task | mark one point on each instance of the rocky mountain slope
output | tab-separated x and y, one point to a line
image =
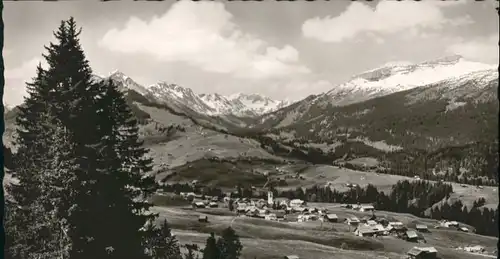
454	111
391	78
241	105
432	116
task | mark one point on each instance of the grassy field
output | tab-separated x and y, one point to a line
269	239
198	143
338	177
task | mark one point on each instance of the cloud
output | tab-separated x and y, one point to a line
387	17
483	49
25	71
203	34
16	78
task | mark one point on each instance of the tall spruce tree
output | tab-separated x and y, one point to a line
38	229
101	161
211	251
164	245
229	244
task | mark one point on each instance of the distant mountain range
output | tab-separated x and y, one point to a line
440	110
243	105
391	78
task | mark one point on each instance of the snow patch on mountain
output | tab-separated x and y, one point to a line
256	104
209	104
400	76
126	82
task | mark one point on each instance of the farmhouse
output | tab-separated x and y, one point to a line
396	227
296	202
422	253
474	249
270	216
291	257
371	223
282	201
213	205
463	229
353	221
396	224
299	209
410	236
448	224
332	217
198	204
421	228
364	231
366	208
203	218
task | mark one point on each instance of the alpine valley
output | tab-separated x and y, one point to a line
437	120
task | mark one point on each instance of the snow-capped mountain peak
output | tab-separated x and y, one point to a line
400	76
126	82
257	103
209	104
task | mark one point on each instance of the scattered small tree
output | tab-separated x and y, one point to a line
211	250
229	244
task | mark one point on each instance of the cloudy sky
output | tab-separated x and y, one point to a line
279	49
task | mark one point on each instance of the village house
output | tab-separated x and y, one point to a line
312	210
198	205
463	229
382	221
282	202
421	228
252	209
203	218
448	224
270	216
371	223
364	231
299	209
331	217
296	202
364	208
396	228
241	210
395	224
291	257
474	249
213	205
422	253
353	221
410	236
263	212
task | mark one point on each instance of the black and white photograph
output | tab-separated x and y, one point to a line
250	129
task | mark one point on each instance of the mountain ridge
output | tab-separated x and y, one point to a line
391	78
211	104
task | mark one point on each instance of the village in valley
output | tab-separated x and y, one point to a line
359	220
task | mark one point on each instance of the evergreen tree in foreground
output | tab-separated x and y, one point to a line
229	244
211	251
81	168
163	245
